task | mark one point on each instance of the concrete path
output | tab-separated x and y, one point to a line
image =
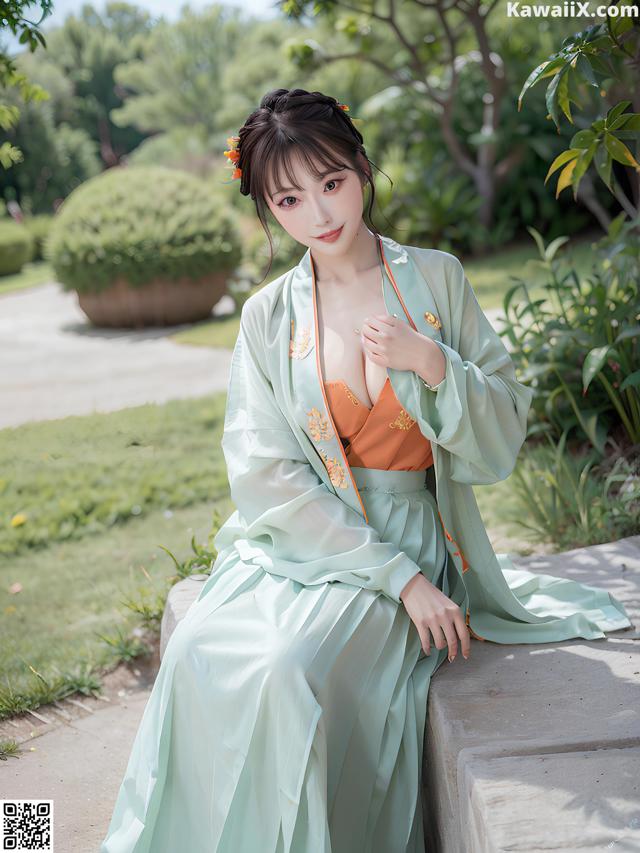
53	363
79	767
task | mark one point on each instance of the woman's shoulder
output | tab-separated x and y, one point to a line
435	260
257	307
442	271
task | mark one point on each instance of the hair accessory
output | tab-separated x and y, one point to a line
234	155
354	121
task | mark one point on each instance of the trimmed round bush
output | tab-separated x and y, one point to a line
141	224
17	246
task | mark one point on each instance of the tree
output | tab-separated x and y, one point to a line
10	78
605	57
88	48
429	65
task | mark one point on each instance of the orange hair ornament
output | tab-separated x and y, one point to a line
234	155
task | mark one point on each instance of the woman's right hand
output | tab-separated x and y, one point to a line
431	610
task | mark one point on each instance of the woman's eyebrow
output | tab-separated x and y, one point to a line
286	189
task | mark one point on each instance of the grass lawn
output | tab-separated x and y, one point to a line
491	277
72	591
38	272
99	494
66	479
217	332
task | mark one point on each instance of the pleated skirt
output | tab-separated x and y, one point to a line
288	718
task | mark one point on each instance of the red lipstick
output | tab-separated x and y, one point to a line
331	236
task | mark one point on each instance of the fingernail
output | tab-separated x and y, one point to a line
466	657
451	658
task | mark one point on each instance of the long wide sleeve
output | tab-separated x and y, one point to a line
478	412
288	520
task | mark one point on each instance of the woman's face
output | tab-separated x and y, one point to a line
334	201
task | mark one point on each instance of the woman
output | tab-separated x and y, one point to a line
367	393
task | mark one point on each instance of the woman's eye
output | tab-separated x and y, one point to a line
286	198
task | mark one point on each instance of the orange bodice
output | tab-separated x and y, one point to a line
382	436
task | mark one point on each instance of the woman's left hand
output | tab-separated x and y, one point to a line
391	342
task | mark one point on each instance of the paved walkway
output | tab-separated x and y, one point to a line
77	761
54	363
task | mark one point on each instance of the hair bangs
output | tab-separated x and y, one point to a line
277	163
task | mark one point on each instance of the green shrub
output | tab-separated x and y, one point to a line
141	224
578	347
39	227
17	246
578	498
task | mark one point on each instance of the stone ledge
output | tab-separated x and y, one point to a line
521	739
572	800
181	597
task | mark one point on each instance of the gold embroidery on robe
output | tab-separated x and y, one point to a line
335	470
319	426
300	347
351	395
402	421
432	320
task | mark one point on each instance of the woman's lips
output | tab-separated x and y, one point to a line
333	235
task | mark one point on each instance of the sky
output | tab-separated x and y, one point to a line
169	9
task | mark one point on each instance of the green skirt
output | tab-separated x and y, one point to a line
288	718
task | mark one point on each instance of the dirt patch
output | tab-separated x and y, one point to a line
117	686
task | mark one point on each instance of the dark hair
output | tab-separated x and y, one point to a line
289	120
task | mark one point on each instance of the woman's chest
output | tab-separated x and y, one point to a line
342	355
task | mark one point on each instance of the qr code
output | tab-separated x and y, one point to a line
26	825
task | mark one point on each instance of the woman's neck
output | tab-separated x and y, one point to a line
342	270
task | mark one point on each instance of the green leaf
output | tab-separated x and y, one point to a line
561	159
602	162
631	381
553	247
551	97
583	138
617	26
615	111
565	177
617	123
620	152
584	67
564	96
593	363
538	238
584	161
545	69
600	65
631	332
629	121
